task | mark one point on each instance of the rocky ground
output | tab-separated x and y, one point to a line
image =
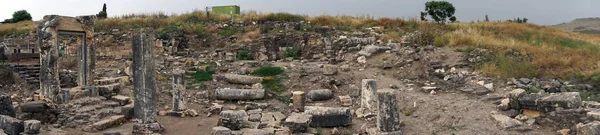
436	89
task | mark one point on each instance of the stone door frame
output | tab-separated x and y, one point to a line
48	31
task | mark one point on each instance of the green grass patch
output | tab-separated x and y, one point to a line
244	55
467	49
204	75
506	67
268	71
577	44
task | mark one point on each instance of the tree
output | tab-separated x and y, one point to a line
439	11
525	20
486	18
102	14
21	15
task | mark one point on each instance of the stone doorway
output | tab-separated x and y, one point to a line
51	31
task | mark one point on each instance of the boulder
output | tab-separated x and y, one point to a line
592	128
504	121
330	70
10	125
32	126
297	123
232	119
220	131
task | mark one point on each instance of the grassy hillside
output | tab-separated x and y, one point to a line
582	25
521	50
548	51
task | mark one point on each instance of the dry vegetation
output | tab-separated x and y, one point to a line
552	52
17	28
549	51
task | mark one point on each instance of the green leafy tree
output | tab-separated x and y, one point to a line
439	11
102	14
486	18
525	20
21	15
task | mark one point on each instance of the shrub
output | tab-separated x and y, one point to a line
244	55
204	75
441	41
268	71
286	17
291	53
230	31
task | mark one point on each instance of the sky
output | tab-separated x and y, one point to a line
544	12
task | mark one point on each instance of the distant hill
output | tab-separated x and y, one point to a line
582	25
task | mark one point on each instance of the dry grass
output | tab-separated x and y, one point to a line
17	28
553	52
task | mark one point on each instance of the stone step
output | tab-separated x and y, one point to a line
109	122
107	81
107	90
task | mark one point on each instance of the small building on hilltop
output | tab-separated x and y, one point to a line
229	9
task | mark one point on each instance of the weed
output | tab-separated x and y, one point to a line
291	52
268	71
230	31
504	66
244	55
319	131
285	99
273	85
407	112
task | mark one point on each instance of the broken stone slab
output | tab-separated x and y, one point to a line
10	125
297	122
591	104
122	100
594	114
242	79
329	116
6	106
239	94
109	122
329	69
373	49
514	96
219	130
321	94
232	119
549	102
592	128
34	107
32	126
504	121
108	90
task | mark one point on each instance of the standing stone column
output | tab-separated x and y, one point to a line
298	103
178	90
144	85
47	34
388	116
368	95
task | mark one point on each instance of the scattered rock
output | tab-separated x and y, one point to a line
592	128
298	123
504	121
329	70
504	105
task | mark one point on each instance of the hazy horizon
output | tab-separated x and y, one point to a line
545	12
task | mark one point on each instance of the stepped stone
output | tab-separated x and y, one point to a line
109	122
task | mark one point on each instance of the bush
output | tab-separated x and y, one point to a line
230	31
268	71
244	55
291	53
285	17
